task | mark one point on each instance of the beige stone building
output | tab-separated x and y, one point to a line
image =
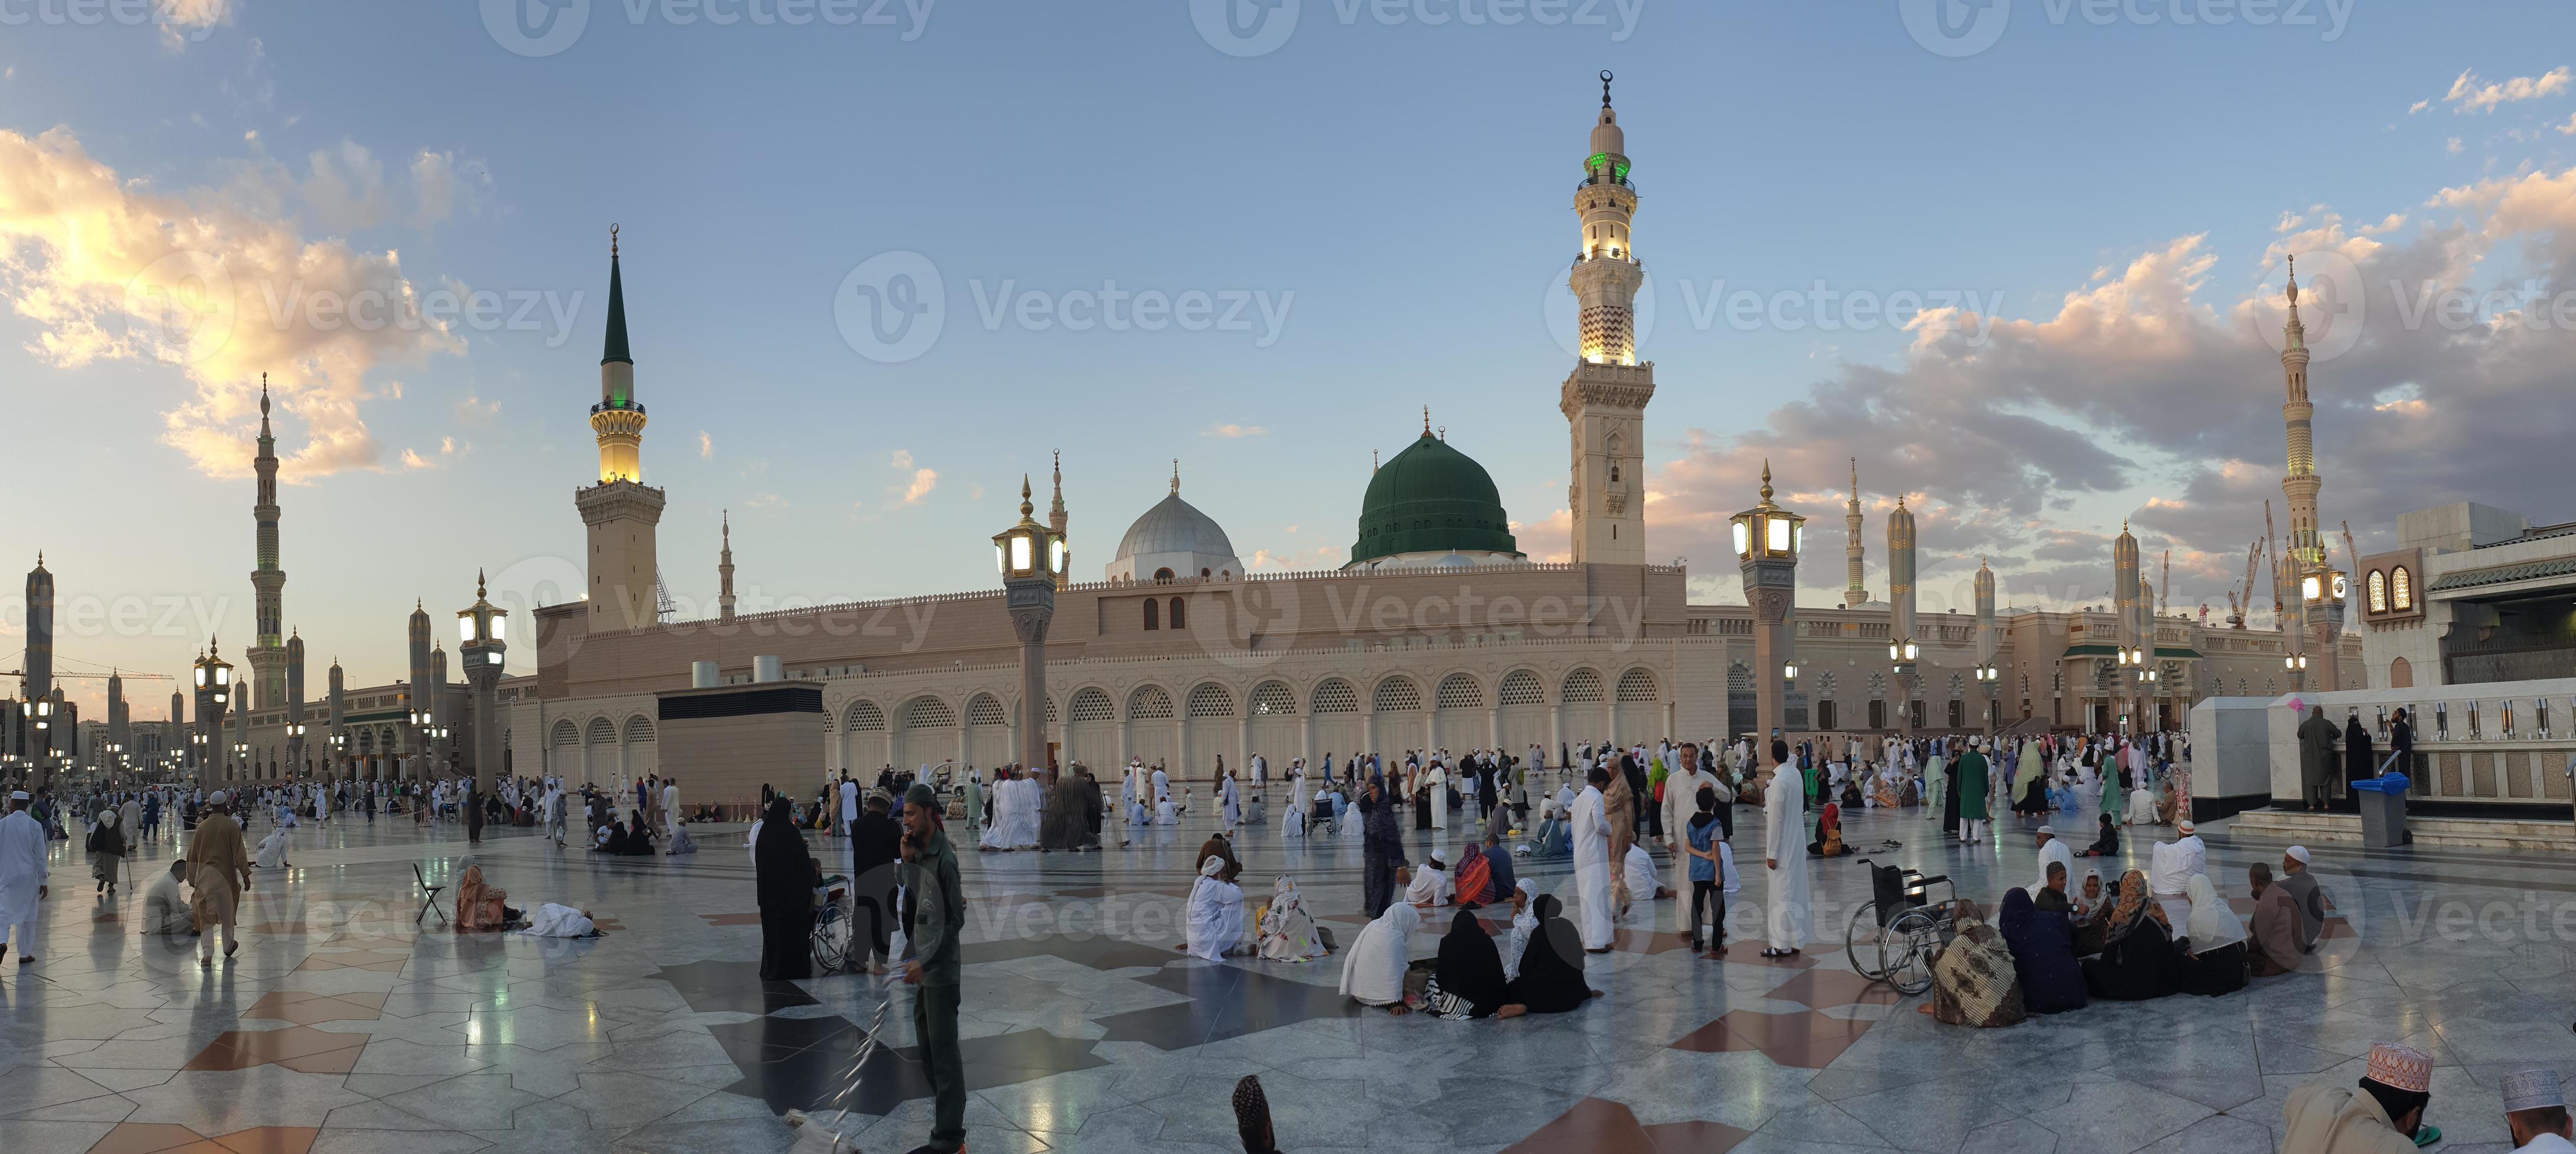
1438	634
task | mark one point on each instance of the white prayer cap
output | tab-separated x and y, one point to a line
2532	1090
19	795
2297	853
1213	866
2049	830
217	798
2186	827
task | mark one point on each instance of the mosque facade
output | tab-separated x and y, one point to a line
1440	632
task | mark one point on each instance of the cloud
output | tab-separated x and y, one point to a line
185	21
2452	146
923	481
2467	94
2153	391
108	269
706	446
474	410
1237	432
902	458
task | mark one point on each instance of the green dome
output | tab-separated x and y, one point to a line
1431	499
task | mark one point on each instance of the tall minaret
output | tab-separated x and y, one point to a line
416	633
296	747
2300	484
39	680
338	704
267	652
1988	644
1856	591
1900	573
1604	398
118	712
621	511
724	572
1056	521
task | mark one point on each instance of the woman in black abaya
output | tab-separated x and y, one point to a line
1551	980
785	878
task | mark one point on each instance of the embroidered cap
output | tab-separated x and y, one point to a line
2400	1067
2532	1090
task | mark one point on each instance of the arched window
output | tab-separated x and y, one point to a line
984	709
1637	686
639	729
1210	699
1397	694
1092	705
2378	591
1162	576
928	713
1520	687
1180	614
1335	695
2404	594
1582	687
1271	698
1149	703
1459	691
1153	614
865	717
602	732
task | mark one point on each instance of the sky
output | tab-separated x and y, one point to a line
2022	258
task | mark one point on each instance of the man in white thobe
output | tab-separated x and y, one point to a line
850	806
671	809
1592	864
22	877
1681	800
1792	914
2052	850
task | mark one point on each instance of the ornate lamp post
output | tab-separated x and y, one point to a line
1031	557
479	639
214	679
1767	540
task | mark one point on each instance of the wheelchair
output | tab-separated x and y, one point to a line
1894	936
831	935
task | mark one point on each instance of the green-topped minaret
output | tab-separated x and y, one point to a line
621	510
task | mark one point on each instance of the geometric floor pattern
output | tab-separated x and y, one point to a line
344	1025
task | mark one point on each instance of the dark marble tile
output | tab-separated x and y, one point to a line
1225	1002
716	987
1098	953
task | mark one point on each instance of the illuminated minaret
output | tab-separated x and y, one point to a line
1856	591
1900	572
1987	642
267	653
416	633
1604	398
724	572
339	702
1056	521
621	511
2300	483
296	745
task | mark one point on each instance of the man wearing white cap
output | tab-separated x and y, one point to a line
2380	1115
2304	894
2535	1111
2052	850
22	877
2172	863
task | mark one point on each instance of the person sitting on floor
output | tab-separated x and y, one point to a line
1287	931
479	907
1550	980
272	851
1637	873
1430	885
2213	958
2042	941
1467	981
165	909
1829	834
1215	913
2138	961
1474	883
1373	973
2107	845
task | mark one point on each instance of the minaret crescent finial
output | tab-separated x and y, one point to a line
1426	420
1176	476
1605	88
612	241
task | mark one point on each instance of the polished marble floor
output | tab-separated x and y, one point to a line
345	1026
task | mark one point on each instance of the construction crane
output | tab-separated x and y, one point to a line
2272	556
2236	611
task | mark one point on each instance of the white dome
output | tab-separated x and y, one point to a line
1174	535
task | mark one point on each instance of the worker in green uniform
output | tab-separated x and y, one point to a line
934	914
1968	776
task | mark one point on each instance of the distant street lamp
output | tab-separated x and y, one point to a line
1031	558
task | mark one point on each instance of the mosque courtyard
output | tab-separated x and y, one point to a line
345	1024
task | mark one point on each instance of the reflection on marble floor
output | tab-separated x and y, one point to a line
344	1025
